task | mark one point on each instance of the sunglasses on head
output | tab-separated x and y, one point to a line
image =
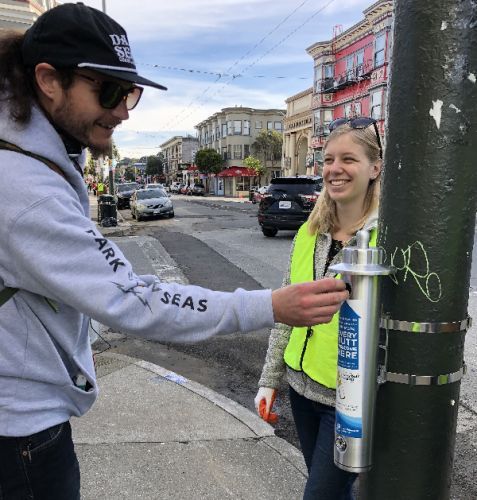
111	93
359	122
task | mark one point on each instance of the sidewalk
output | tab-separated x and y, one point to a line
153	434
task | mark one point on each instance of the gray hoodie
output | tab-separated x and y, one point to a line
66	272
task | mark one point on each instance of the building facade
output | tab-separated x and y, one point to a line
231	132
19	15
297	135
351	73
179	154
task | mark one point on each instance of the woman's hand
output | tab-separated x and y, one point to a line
264	403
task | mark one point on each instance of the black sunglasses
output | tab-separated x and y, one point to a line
359	122
111	93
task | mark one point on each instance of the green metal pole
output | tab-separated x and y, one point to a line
427	223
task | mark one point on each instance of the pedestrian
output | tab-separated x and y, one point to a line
100	188
65	85
308	356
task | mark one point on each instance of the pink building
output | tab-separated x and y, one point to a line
351	73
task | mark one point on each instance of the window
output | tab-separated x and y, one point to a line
317	122
244	183
229	151
328	71
258	124
327	117
376	104
357	109
269	125
349	66
360	62
237	151
277	125
318	73
347	110
224	152
246	150
224	130
379	49
237	127
230	130
217	132
246	127
207	137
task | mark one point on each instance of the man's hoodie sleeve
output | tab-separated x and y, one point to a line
58	253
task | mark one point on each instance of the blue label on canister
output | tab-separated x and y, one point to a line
348	338
349	426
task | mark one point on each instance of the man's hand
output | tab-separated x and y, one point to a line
308	304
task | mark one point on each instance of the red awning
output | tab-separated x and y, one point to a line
192	168
237	172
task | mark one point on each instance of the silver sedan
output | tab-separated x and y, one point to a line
151	203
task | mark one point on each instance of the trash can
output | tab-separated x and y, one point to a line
107	214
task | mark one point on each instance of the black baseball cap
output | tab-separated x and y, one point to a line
74	35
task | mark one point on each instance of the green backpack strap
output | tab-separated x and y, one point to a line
7	293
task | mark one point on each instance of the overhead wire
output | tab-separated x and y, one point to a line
175	119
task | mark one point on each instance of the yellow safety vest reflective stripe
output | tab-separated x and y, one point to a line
313	351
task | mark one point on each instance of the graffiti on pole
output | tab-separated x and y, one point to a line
413	263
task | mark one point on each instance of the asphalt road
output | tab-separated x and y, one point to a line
219	245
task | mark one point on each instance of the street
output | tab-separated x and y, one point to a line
220	246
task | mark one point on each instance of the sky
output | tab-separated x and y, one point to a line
213	54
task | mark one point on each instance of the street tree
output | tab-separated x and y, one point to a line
268	147
256	165
154	165
208	161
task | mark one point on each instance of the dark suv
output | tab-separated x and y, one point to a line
288	203
123	192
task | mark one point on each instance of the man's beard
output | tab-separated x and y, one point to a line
64	119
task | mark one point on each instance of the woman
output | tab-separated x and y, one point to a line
308	356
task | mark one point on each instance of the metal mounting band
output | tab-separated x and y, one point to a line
415	327
406	378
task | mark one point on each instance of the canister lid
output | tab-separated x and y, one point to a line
362	259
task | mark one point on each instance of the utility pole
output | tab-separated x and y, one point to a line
427	222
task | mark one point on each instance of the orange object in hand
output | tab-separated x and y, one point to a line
270	417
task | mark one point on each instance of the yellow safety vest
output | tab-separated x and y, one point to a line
313	351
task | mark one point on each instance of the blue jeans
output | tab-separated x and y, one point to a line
315	424
42	466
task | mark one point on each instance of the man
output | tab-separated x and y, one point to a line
65	85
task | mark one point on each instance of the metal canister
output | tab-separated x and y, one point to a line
358	342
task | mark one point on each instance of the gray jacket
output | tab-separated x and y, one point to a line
275	367
50	249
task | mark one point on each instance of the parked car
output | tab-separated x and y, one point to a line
175	187
198	189
184	189
288	203
258	194
153	185
123	193
150	203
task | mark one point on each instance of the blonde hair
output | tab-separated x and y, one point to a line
324	217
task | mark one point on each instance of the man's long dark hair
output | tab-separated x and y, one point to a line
17	88
16	82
